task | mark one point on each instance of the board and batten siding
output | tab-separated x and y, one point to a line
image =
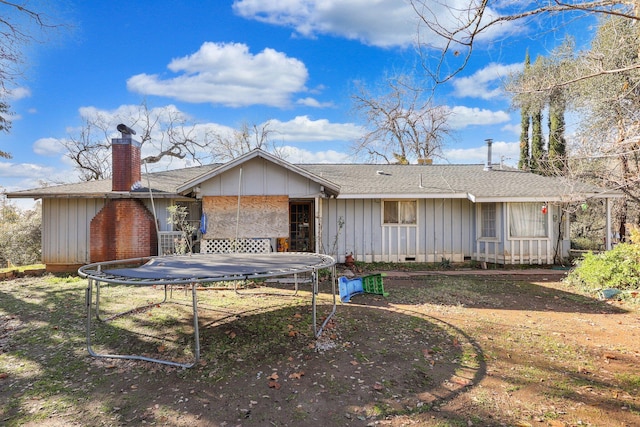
505	249
259	177
444	231
65	225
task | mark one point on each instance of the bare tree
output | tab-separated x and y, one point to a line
403	123
449	33
228	146
164	133
18	24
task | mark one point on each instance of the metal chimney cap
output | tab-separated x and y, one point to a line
125	130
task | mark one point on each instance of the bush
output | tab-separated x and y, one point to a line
618	268
20	236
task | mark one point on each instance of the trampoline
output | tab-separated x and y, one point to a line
194	269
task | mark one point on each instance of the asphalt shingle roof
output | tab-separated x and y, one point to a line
162	184
472	181
369	180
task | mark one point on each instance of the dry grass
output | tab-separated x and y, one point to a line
438	351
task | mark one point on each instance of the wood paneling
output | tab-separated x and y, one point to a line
257	216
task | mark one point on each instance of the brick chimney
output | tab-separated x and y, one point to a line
125	158
124	227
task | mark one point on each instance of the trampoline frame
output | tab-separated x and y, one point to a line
98	273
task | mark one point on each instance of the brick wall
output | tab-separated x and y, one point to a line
124	228
125	160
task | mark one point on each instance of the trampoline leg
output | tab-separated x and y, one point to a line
98	301
89	303
318	331
196	331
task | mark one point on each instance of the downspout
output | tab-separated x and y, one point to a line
153	208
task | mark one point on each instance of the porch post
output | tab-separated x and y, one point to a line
607	238
318	223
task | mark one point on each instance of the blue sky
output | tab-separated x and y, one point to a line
222	63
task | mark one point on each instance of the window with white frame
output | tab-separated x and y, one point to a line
400	212
527	220
488	220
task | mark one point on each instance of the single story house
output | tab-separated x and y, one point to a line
259	202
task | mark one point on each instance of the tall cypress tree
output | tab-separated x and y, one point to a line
557	142
537	142
525	122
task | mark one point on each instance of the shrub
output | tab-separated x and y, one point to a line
618	268
20	236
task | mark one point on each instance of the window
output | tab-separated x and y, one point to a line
488	218
400	212
527	220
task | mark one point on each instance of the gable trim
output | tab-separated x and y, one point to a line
329	187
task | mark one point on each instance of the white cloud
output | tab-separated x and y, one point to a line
23	170
513	128
303	129
383	23
18	93
312	102
228	74
507	152
299	155
462	117
48	147
485	83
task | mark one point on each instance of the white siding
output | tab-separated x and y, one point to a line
511	250
65	229
260	178
444	231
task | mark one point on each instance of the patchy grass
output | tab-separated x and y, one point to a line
440	350
22	268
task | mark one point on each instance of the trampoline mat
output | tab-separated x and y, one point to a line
220	266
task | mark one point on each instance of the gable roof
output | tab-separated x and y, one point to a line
330	187
471	182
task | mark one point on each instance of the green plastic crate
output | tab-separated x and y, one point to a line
373	284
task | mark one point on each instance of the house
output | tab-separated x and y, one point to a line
258	202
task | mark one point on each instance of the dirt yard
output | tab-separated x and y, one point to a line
442	349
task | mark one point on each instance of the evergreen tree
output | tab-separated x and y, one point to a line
557	143
537	143
525	123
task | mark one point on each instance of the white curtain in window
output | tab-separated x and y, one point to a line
527	220
408	212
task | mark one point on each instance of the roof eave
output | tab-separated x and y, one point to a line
110	195
402	196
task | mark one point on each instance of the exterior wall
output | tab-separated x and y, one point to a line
509	250
444	231
260	178
265	189
65	231
123	229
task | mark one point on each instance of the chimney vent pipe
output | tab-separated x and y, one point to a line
488	166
